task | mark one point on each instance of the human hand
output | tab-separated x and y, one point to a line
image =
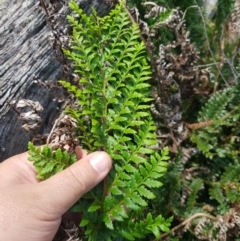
31	210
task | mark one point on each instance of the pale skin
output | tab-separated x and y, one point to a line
31	210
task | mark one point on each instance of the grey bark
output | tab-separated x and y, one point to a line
25	53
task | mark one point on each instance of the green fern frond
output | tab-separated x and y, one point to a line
227	190
216	193
48	162
114	116
203	145
215	108
147	226
232	173
222	113
195	187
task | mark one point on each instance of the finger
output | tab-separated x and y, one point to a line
17	170
80	153
22	170
62	190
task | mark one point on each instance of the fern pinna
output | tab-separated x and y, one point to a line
114	116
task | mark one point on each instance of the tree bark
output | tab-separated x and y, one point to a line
25	54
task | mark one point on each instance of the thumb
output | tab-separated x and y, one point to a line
62	190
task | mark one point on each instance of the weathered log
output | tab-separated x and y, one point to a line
25	53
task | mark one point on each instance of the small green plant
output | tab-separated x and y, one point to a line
113	115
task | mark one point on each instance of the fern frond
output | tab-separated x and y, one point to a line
215	108
147	226
217	113
114	116
195	187
49	162
216	193
227	189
